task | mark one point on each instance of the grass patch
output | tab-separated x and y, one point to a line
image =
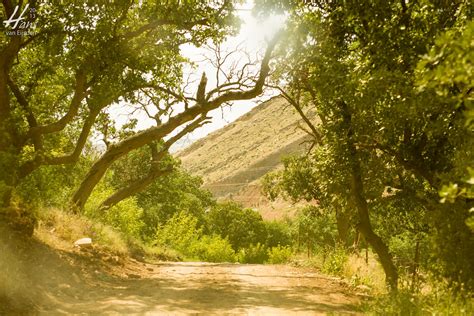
60	229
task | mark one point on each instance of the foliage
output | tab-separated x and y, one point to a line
59	88
254	253
279	254
180	232
166	196
178	191
213	249
125	216
447	68
392	94
242	227
278	234
335	260
314	228
50	186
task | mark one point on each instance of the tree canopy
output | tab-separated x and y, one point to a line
57	82
392	85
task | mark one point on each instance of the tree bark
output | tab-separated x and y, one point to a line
133	188
154	173
357	191
365	227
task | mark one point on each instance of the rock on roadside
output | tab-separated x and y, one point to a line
83	243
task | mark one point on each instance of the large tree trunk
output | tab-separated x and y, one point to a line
357	190
365	227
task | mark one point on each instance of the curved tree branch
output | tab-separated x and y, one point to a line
79	95
154	172
142	138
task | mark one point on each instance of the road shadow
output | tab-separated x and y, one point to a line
200	295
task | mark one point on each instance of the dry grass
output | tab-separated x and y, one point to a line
60	229
368	277
365	273
256	135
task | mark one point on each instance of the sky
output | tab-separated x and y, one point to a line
252	38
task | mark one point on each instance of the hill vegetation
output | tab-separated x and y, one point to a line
232	160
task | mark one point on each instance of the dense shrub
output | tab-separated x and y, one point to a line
213	249
125	216
279	254
314	228
253	254
171	194
278	233
179	233
242	227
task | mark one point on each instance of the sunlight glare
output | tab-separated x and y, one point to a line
257	32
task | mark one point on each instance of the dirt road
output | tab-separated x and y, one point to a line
204	288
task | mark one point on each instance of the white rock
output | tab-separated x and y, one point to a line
83	242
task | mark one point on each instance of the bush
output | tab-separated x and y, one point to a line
241	227
335	261
315	228
126	216
213	249
279	254
253	254
179	233
278	233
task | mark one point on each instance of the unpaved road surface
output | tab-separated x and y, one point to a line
208	289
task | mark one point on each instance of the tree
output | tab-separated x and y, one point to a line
355	63
242	227
310	178
82	58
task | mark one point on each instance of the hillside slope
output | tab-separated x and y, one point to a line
231	160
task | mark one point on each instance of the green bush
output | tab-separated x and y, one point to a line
126	216
314	228
253	254
242	227
179	233
213	249
335	261
279	254
278	233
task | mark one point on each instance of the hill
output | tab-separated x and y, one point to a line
233	159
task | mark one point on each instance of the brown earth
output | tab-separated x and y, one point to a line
233	159
90	282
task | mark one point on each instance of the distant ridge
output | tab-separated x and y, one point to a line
233	159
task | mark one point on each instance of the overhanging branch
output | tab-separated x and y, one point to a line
140	139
